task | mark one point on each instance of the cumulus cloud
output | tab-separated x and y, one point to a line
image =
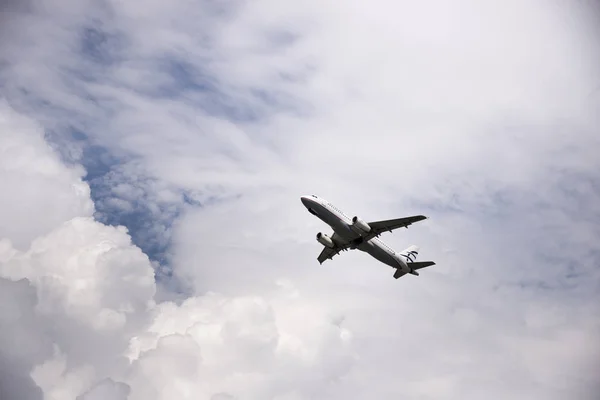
107	389
464	113
245	347
88	291
79	320
39	191
21	345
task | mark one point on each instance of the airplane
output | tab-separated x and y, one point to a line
354	233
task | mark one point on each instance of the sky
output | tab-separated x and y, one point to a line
152	240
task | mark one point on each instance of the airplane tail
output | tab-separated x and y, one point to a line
410	253
410	257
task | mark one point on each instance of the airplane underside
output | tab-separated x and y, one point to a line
357	234
355	244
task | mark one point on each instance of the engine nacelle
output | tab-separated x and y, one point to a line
325	240
360	226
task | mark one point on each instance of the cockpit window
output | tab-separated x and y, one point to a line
313	196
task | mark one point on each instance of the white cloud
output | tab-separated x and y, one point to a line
478	116
38	190
87	319
107	389
247	347
79	320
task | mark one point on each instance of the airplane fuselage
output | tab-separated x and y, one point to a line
342	226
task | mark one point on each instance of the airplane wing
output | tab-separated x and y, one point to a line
328	253
379	227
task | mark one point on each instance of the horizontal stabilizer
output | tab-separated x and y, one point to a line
414	267
420	264
399	273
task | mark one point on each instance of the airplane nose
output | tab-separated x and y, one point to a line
307	200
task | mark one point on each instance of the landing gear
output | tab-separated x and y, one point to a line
356	243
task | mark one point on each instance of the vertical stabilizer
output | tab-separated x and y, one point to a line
410	253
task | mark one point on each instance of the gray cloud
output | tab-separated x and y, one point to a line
20	346
107	389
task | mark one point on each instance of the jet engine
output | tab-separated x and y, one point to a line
360	226
325	240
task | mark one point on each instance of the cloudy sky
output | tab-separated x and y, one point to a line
152	240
